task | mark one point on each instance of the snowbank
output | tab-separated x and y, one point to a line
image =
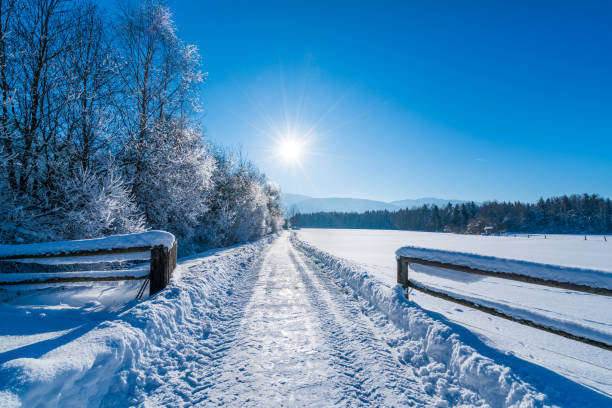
105	365
588	277
143	239
437	353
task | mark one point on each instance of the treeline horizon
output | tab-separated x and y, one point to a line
574	214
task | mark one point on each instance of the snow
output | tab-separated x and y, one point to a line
143	239
551	307
442	361
274	322
118	359
578	362
302	341
374	252
11	342
570	251
37	318
588	277
442	353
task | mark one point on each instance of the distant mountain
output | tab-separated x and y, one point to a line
332	204
289	199
419	202
297	203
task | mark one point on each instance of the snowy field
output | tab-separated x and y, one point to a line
578	313
377	247
38	318
277	322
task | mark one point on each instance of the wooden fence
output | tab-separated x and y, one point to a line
162	259
403	267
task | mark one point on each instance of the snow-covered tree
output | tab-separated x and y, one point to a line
275	210
159	74
75	90
243	205
173	183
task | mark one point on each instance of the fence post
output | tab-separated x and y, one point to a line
163	262
399	270
173	256
156	276
402	273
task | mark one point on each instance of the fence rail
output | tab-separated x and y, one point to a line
65	254
502	275
403	266
162	258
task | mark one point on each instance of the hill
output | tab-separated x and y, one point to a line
298	203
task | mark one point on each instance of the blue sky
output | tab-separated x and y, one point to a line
469	100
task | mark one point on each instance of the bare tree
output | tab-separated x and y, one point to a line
160	75
8	52
90	64
41	36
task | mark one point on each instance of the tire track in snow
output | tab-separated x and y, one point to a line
279	358
373	374
224	336
222	340
186	365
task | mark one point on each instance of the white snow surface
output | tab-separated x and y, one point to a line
448	369
274	323
570	251
143	239
579	313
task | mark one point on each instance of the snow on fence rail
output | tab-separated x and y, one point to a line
159	247
583	280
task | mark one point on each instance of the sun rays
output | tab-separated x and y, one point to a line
294	119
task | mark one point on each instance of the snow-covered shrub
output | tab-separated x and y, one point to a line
19	217
251	211
93	205
243	205
78	204
275	211
19	220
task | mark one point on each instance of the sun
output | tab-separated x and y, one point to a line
291	149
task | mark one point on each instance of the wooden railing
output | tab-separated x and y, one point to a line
402	275
158	247
403	267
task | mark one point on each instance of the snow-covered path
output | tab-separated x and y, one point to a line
289	336
272	323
